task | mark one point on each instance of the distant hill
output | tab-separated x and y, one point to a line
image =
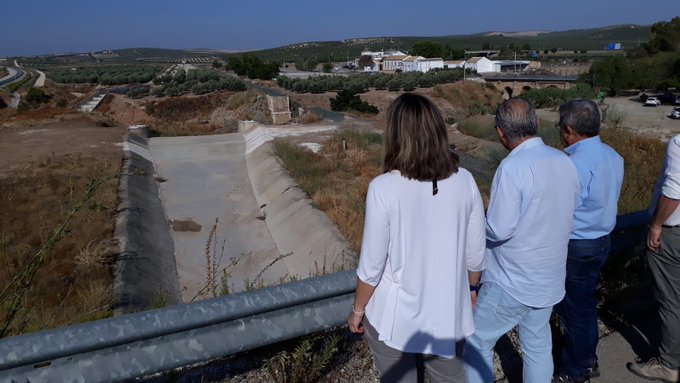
147	53
581	39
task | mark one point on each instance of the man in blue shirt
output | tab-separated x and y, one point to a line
529	220
600	173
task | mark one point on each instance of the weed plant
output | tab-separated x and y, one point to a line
306	363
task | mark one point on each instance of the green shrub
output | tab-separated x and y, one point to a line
107	75
36	96
552	97
346	100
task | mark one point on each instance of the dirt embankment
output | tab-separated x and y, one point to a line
456	101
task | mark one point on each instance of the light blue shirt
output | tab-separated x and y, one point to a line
529	220
600	174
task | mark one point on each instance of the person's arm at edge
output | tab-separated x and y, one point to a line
670	194
361	296
474	277
372	259
664	208
476	242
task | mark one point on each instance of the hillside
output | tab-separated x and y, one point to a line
581	39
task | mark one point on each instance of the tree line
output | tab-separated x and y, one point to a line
653	65
357	83
105	75
197	81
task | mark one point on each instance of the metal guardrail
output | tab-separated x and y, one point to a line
144	343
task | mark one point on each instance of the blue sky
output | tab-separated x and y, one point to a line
33	27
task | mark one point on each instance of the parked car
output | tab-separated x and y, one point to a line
667	98
677	100
675	114
652	101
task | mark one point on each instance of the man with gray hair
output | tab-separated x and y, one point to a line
529	220
600	173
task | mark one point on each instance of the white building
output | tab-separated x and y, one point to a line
425	65
450	64
379	59
396	60
481	65
392	63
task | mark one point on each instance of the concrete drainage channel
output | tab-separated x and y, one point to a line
230	219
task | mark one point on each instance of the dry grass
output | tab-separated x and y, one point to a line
468	98
214	113
335	179
309	118
643	157
73	280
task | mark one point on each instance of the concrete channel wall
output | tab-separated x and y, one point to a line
145	273
312	243
268	229
91	104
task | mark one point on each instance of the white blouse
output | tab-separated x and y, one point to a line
417	248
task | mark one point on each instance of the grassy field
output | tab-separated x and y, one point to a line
55	243
337	180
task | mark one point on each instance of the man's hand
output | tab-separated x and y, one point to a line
473	299
654	237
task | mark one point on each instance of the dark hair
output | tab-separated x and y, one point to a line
582	115
416	142
516	117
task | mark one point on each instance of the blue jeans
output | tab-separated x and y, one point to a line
497	313
577	311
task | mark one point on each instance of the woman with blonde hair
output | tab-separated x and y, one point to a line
423	246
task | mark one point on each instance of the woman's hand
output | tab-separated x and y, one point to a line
354	323
362	294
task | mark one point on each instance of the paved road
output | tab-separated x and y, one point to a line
40	82
15	74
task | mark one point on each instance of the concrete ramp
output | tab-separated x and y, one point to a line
311	242
203	179
267	229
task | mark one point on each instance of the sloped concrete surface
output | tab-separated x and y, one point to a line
203	179
310	240
266	231
145	271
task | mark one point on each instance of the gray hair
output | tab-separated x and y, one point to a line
516	117
582	115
